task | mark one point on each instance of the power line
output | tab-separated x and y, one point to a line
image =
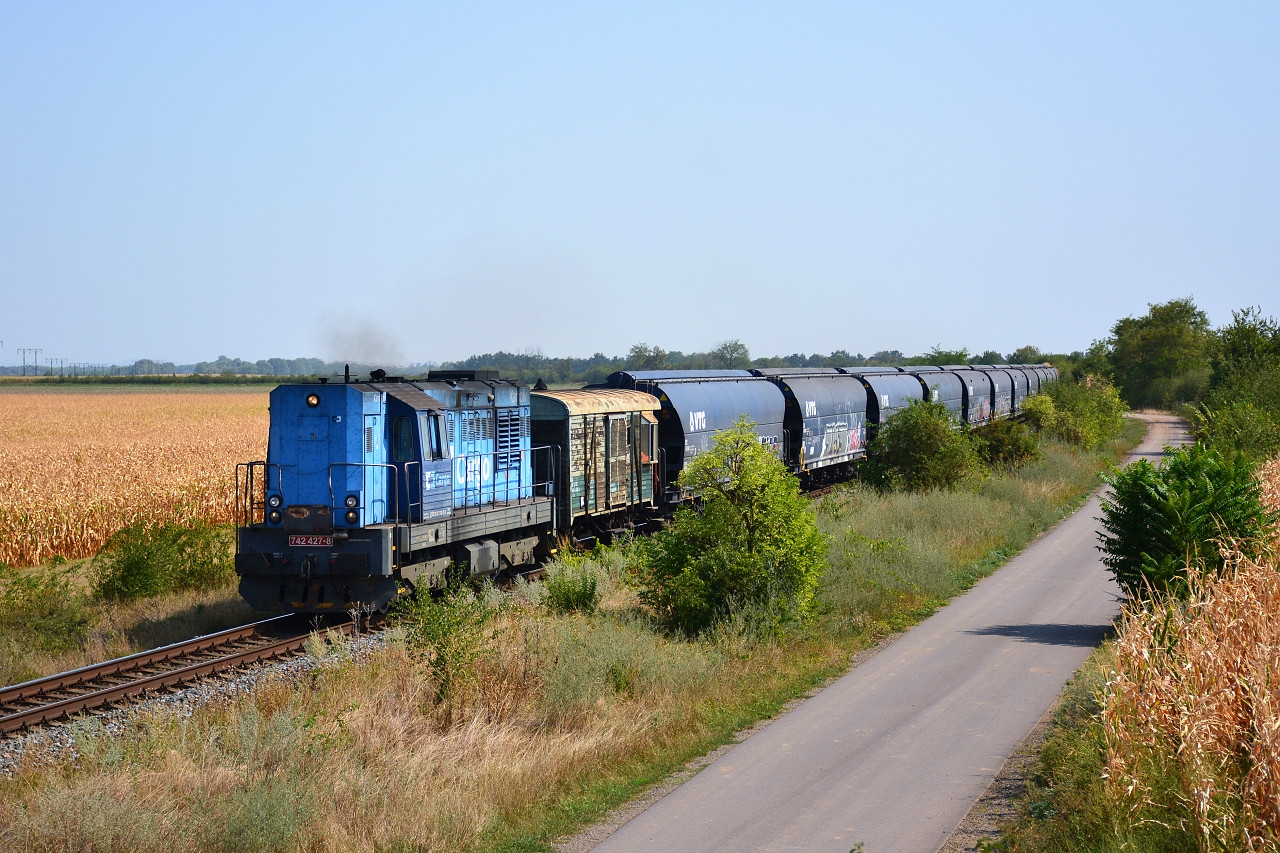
36	360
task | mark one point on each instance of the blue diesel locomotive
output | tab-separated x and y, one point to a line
371	488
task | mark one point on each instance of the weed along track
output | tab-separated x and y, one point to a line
99	685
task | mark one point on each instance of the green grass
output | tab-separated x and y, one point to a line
896	556
1066	809
52	619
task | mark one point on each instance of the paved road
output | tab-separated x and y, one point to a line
892	754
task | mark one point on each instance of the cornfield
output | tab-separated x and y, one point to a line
1192	711
77	467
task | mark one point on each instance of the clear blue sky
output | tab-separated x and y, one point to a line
408	182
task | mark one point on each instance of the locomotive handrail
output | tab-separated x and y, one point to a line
245	505
394	490
473	468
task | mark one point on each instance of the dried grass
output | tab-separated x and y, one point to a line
80	466
360	758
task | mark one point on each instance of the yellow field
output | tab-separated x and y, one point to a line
77	466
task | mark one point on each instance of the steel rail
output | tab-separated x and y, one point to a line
94	671
148	681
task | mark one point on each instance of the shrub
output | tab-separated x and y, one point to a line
1086	413
753	539
1159	523
1238	427
920	448
150	559
571	587
1039	412
45	609
449	634
268	816
1006	443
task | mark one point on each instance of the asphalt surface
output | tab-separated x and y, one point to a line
893	754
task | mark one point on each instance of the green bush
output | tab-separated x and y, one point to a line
150	559
1172	392
753	539
571	586
1160	523
449	635
1087	413
1238	427
1006	443
1040	413
921	448
45	609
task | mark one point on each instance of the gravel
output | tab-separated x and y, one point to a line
56	742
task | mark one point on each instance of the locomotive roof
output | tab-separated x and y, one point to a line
412	397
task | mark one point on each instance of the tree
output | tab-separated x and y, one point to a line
752	542
1161	359
1241	412
644	357
730	355
1095	361
938	355
529	361
840	358
1245	359
1026	355
1251	343
887	358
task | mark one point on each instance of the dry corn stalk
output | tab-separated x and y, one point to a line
79	466
1192	711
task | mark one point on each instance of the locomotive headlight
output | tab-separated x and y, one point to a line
274	501
352	516
313	400
352	501
275	516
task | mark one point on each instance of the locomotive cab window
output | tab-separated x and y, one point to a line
402	449
431	428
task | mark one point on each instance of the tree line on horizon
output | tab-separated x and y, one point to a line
530	364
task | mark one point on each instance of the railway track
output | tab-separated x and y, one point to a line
56	696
